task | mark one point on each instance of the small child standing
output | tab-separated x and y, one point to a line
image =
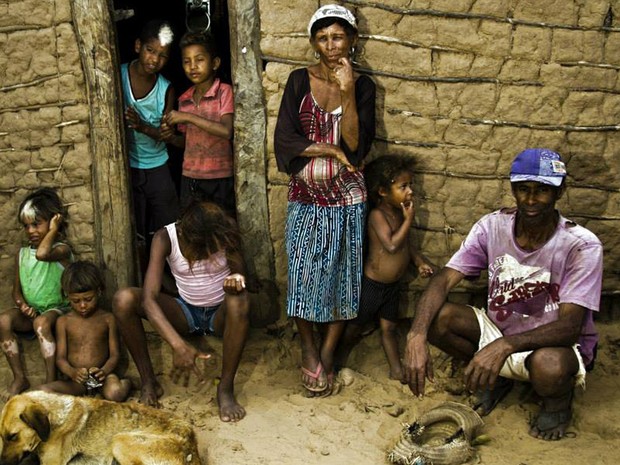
205	118
36	288
88	340
389	252
148	96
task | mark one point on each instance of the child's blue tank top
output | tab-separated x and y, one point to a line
145	152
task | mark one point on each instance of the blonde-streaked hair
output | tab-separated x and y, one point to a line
43	204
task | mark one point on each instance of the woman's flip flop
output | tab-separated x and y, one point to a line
318	375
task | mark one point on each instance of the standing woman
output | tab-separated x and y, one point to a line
325	127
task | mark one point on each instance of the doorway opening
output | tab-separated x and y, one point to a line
209	16
131	15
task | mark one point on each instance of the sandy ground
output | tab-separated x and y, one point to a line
362	422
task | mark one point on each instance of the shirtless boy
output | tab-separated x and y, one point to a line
389	253
87	339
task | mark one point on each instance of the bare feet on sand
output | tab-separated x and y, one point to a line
397	374
553	419
151	392
18	386
230	409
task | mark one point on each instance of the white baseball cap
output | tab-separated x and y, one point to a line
332	11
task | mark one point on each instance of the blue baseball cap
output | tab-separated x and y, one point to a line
538	165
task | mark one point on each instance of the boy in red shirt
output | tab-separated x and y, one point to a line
205	119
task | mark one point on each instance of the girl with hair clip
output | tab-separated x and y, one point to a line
147	96
37	292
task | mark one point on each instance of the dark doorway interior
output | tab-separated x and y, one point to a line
180	14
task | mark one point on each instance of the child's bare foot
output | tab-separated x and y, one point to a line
151	392
126	387
398	375
126	384
230	409
18	386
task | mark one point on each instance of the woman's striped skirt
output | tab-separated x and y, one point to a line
324	246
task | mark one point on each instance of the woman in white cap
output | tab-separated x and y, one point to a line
325	127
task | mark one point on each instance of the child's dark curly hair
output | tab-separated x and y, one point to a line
204	229
43	204
82	276
154	28
204	39
381	172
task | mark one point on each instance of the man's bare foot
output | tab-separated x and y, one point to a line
553	419
230	410
487	399
151	392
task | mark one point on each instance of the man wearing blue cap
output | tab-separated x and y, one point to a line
544	283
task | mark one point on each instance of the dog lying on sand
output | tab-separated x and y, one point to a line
60	429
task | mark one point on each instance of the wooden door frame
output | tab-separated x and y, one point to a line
114	231
250	153
114	237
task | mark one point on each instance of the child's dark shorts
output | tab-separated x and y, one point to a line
199	319
378	299
220	191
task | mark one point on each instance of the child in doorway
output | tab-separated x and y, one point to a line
36	289
389	252
205	118
88	341
148	96
203	251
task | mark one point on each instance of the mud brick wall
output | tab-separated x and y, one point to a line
44	124
463	86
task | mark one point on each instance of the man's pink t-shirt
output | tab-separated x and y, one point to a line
207	156
525	288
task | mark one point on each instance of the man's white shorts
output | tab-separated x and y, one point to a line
514	367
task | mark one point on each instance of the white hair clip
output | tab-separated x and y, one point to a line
165	35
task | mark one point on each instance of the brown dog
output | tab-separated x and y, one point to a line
61	429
